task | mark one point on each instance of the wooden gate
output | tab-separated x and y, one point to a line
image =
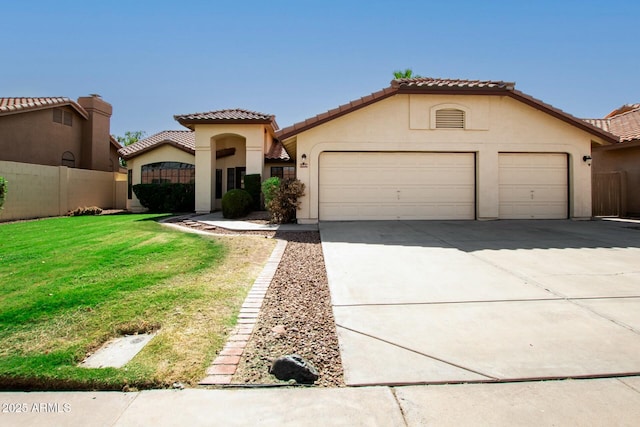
608	194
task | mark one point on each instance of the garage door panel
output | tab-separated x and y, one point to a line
533	186
357	194
372	186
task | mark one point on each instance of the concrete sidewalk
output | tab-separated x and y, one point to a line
216	219
561	403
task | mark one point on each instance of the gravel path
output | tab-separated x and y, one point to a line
296	315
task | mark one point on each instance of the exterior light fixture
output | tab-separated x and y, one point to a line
304	164
587	159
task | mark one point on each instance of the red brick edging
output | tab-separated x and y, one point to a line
224	366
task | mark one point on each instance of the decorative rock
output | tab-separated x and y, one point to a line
294	367
278	331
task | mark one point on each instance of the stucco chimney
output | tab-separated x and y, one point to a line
96	133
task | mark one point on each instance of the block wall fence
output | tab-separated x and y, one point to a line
36	191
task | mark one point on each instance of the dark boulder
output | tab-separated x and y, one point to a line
294	367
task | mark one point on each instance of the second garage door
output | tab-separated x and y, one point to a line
533	186
393	186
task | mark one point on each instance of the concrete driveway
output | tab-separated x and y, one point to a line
462	301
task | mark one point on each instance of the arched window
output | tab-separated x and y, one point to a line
168	172
68	159
450	118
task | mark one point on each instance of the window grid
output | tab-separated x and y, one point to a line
168	172
283	172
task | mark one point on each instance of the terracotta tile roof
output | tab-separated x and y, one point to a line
277	152
623	109
623	122
626	125
429	82
182	139
186	141
427	85
231	116
600	123
19	105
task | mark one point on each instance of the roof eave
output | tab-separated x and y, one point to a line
559	114
153	147
190	123
340	111
74	105
619	146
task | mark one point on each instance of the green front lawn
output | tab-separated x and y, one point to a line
67	285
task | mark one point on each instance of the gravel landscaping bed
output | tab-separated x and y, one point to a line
295	318
296	315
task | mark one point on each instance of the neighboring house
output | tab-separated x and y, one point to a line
58	132
170	156
616	167
421	148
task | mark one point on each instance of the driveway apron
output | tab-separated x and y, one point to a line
467	301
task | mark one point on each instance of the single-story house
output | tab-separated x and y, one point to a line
616	167
58	132
422	148
170	156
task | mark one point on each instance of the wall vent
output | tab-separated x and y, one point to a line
449	118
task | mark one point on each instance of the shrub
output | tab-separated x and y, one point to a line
92	210
284	203
166	197
252	185
3	191
236	203
269	188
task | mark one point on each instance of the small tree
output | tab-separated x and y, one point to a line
3	191
129	138
285	201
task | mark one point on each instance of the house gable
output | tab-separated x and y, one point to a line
488	120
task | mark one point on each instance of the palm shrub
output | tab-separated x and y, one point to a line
236	203
285	201
3	190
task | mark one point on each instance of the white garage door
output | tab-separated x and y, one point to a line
533	186
391	186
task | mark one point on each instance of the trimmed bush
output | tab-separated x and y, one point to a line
252	185
236	203
92	210
3	191
285	203
166	197
269	188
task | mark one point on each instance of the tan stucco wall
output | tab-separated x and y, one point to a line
495	124
33	137
212	137
164	153
622	159
37	191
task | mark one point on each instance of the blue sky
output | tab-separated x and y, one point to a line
296	59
